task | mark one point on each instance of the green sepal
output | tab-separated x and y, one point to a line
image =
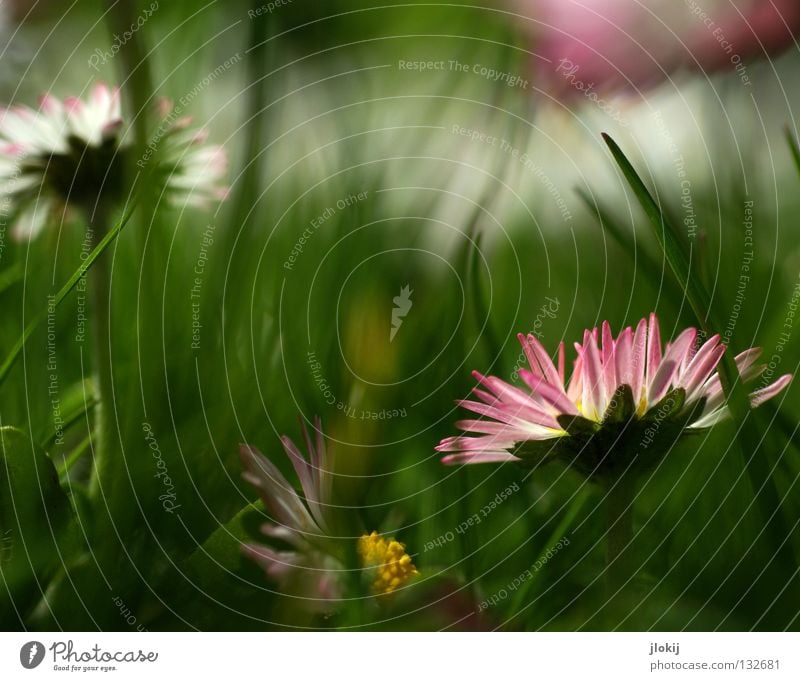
533	453
668	406
622	407
577	425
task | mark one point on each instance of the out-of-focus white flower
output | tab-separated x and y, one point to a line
73	152
66	151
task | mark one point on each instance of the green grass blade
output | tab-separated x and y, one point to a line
793	147
666	236
70	420
11	276
755	457
64	467
65	289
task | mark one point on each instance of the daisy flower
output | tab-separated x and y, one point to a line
73	151
313	568
627	397
62	152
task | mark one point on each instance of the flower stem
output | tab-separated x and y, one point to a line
100	285
619	572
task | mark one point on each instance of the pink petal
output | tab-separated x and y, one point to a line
484	443
277	494
609	364
653	349
639	361
482	457
164	106
594	397
49	104
486	397
552	395
575	388
661	381
670	364
702	364
73	105
538	357
622	357
302	469
760	396
516	414
277	564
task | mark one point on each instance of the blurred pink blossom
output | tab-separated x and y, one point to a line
637	43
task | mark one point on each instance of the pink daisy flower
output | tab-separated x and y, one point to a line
625	387
68	152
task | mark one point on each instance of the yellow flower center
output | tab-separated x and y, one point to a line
393	566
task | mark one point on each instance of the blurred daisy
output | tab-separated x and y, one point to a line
192	172
64	152
626	398
310	568
313	567
73	151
